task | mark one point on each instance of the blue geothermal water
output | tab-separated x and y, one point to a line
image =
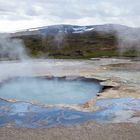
49	91
23	114
54	91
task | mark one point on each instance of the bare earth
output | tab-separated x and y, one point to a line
123	75
87	131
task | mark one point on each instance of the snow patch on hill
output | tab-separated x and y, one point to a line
82	29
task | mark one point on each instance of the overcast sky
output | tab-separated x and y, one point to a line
23	14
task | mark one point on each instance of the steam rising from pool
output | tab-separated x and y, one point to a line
49	91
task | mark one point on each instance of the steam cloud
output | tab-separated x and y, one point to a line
59	39
128	39
12	48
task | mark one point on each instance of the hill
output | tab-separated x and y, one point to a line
72	41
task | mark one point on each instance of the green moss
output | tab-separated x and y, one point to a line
86	45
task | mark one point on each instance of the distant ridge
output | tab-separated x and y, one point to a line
65	28
73	41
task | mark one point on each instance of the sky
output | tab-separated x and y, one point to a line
23	14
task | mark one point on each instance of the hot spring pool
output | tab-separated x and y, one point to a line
50	91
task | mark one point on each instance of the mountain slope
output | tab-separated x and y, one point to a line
70	41
54	29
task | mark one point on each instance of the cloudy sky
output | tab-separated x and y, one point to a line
23	14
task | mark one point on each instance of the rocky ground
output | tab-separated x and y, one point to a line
87	131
